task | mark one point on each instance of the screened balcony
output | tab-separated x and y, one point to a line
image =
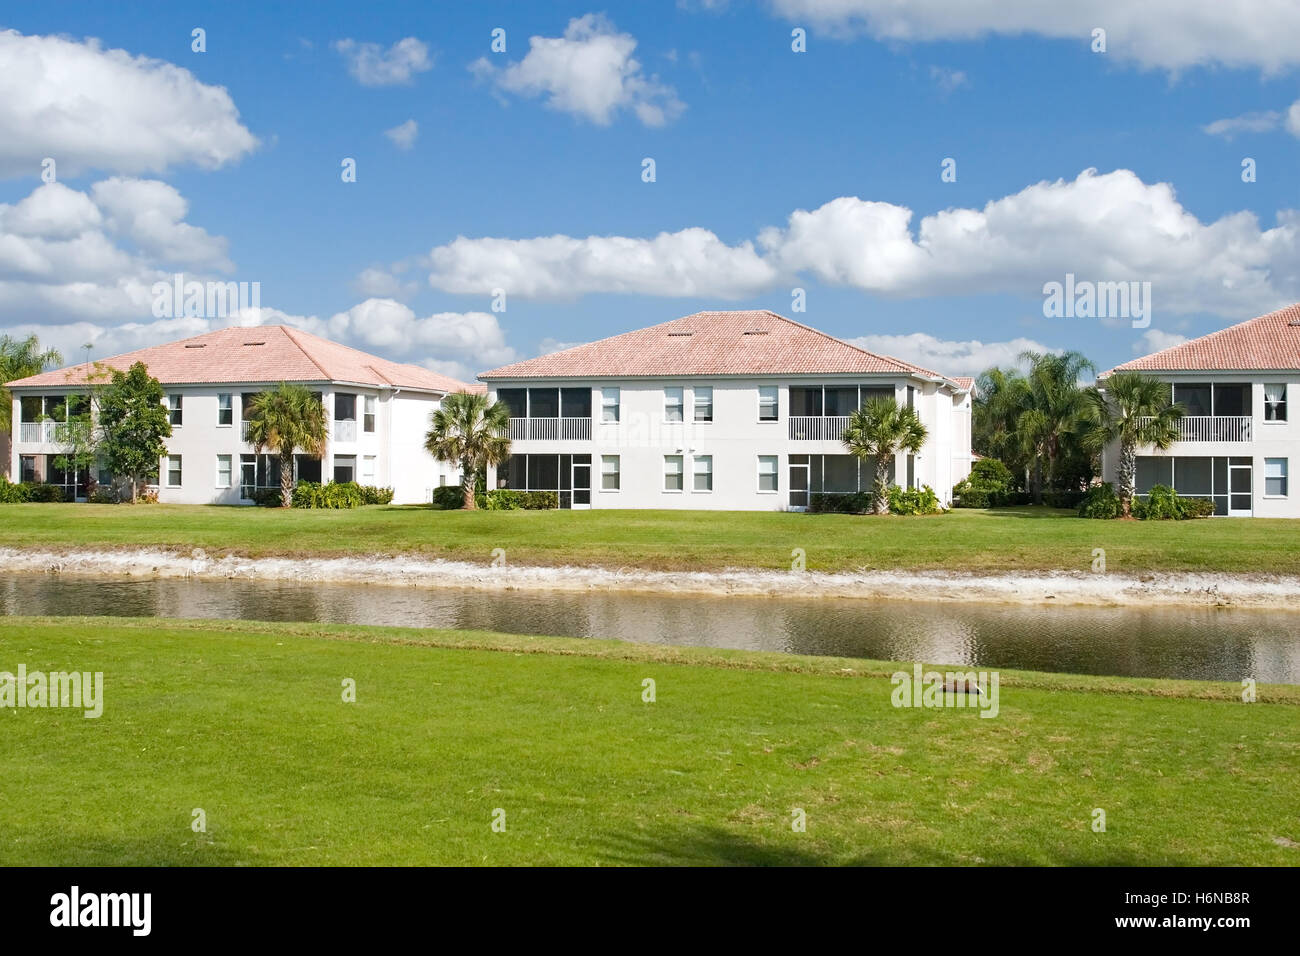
1215	412
821	412
548	414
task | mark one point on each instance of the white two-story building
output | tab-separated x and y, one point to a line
1239	435
378	413
717	410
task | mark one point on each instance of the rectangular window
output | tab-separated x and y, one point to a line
174	412
703	467
368	470
1195	399
767	479
27	468
345	468
609	398
609	477
1275	477
224	468
704	403
1275	403
672	404
767	403
225	409
368	425
672	472
345	408
173	471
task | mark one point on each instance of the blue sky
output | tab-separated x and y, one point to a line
745	133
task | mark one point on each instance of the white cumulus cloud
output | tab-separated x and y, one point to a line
947	356
403	136
90	108
589	72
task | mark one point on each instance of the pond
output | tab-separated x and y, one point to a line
1193	643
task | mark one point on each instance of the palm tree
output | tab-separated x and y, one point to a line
1054	410
469	431
283	420
20	358
879	431
1001	396
1132	409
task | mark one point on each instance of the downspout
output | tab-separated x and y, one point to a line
388	458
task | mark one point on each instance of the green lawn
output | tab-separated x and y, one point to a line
246	721
1000	540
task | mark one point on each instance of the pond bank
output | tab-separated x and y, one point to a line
1210	589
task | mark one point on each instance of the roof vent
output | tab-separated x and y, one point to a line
673	335
254	343
755	332
1294	323
199	345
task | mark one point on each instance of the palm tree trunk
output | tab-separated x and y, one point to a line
1038	479
880	491
1126	477
467	485
286	480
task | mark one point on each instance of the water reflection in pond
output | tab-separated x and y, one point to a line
1203	644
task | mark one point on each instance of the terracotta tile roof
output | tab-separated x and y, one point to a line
964	383
711	343
1269	342
264	353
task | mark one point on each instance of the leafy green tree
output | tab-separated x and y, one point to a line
133	424
1053	417
1130	409
469	431
1001	396
20	358
878	432
286	419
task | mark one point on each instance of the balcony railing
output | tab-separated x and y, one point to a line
43	433
818	427
345	430
1213	428
550	429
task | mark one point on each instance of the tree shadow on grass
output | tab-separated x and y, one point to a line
178	847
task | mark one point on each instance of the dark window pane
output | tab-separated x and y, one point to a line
308	468
1192	476
1195	399
544	402
841	473
1232	399
345	408
575	402
515	399
1152	470
870	392
805	401
841	401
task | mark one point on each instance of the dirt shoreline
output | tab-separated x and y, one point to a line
1032	588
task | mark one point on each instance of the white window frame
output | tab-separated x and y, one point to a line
176	406
368	416
615	472
696	474
696	404
674	397
369	465
1282	401
230	471
776	475
228	407
1285	477
679	474
775	403
610	400
180	470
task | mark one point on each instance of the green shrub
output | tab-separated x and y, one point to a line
856	502
1063	499
989	485
267	498
102	495
370	495
1100	501
504	499
1163	504
448	497
37	491
541	500
331	495
11	493
913	501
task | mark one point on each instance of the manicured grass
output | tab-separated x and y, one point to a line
246	721
1000	540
